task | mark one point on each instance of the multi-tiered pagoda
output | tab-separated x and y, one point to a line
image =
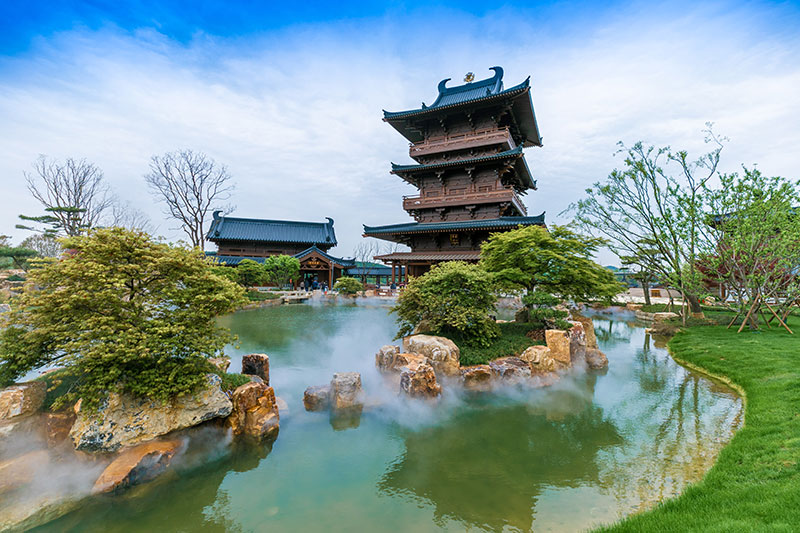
470	171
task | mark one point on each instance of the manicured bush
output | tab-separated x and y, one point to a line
251	273
348	286
454	298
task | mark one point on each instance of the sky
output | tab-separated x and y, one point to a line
290	97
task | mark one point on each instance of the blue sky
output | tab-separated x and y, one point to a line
289	95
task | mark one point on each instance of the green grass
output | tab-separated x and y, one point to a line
257	296
512	341
755	484
231	381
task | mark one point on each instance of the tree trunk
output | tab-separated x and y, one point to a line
694	306
646	290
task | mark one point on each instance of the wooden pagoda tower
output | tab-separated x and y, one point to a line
470	171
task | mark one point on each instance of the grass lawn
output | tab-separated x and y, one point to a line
512	341
755	484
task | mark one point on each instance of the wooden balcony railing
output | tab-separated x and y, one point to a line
462	141
474	198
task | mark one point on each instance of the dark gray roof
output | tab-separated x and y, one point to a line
478	92
339	260
261	230
432	227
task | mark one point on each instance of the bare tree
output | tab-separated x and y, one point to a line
43	245
124	215
363	253
74	194
190	184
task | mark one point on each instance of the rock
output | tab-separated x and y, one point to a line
255	411
393	361
418	380
223	363
511	369
577	341
540	360
22	399
256	364
595	359
283	407
663	317
57	426
633	306
137	465
384	359
125	420
317	398
588	329
443	354
559	343
477	377
346	390
20	470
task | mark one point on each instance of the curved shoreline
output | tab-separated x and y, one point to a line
752	485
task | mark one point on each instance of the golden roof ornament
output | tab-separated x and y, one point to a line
469	78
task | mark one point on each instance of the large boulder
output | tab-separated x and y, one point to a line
317	398
136	465
442	353
256	364
21	469
540	360
22	399
595	359
346	390
511	369
255	411
663	317
57	426
577	341
125	420
389	359
559	344
588	329
418	380
477	377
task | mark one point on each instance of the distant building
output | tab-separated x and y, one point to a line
470	171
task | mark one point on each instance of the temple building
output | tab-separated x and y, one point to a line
470	171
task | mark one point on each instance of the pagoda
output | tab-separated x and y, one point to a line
470	171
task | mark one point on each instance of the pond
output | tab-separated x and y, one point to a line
586	451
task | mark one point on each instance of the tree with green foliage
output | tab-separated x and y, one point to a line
556	262
19	255
251	273
280	270
756	248
226	272
348	286
121	312
455	298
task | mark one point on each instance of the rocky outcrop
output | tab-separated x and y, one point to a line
22	399
317	398
389	359
418	380
256	364
20	470
477	377
346	390
588	329
559	344
137	465
222	363
577	341
595	359
57	426
540	360
511	369
443	354
124	420
255	411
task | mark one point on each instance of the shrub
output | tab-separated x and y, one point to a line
122	312
453	298
280	269
226	272
251	273
542	311
348	286
231	381
512	340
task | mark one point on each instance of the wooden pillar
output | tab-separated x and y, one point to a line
392	272
405	274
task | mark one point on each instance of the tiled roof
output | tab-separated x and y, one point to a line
514	152
261	230
431	256
433	227
233	260
337	260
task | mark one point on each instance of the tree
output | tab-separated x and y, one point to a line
364	253
348	286
121	312
452	298
226	272
281	269
73	193
44	245
557	262
644	206
19	255
756	250
251	273
190	184
124	215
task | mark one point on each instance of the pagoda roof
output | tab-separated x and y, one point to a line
471	94
435	227
262	230
338	260
431	256
523	170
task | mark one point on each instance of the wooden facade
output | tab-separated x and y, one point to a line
470	171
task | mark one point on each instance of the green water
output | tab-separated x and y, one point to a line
586	451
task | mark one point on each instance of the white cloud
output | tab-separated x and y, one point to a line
296	114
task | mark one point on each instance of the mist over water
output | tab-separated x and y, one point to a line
589	449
